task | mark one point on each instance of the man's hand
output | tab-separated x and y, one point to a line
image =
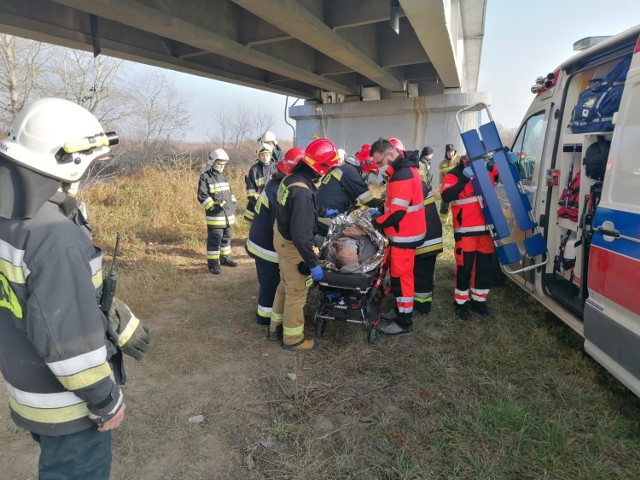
468	172
114	422
374	213
317	273
331	213
130	335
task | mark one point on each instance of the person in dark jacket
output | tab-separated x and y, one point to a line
219	202
257	177
342	189
259	244
403	223
60	355
293	235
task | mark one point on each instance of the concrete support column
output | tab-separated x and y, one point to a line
417	121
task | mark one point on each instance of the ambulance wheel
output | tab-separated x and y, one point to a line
320	326
372	334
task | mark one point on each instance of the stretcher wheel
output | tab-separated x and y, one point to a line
372	334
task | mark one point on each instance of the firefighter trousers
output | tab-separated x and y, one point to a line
423	273
474	257
268	279
218	244
291	295
402	284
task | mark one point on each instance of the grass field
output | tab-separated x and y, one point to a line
513	396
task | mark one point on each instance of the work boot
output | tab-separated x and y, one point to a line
227	262
260	320
481	308
396	329
422	308
214	267
463	310
304	345
275	335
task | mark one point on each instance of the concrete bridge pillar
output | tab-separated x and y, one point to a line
417	121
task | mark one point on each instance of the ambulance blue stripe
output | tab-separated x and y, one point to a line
627	224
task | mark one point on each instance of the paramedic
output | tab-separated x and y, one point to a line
451	159
257	177
219	202
293	234
259	244
403	223
473	248
57	348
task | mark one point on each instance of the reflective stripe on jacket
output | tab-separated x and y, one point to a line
403	220
260	241
54	352
432	244
255	180
219	202
466	206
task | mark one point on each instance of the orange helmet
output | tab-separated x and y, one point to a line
397	143
321	155
290	160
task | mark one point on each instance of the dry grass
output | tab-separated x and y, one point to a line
510	397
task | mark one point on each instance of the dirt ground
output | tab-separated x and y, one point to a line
208	358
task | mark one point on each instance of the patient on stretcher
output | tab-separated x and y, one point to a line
352	244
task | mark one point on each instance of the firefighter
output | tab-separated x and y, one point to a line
342	189
473	243
426	171
59	355
403	223
428	251
269	138
257	177
451	159
259	244
219	202
293	235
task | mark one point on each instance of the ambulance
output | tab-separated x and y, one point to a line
580	169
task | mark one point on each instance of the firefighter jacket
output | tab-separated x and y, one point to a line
260	241
466	206
258	176
342	188
296	214
54	349
403	220
446	165
432	244
219	202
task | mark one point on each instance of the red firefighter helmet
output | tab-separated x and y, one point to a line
363	153
366	162
397	143
321	155
290	160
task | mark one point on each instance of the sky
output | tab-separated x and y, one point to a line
522	40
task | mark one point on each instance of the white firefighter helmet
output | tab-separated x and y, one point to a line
264	153
217	156
56	138
268	136
341	155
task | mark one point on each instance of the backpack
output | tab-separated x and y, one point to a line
569	200
599	101
595	158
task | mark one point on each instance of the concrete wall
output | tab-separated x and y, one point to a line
417	121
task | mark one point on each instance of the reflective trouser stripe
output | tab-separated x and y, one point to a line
479	295
224	251
213	255
423	297
402	279
474	257
461	296
291	294
276	318
264	312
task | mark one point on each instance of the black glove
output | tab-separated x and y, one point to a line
304	269
127	331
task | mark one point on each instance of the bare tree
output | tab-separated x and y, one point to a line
238	130
21	72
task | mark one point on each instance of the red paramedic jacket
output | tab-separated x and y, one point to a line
466	209
403	221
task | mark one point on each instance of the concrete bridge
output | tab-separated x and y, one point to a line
365	68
